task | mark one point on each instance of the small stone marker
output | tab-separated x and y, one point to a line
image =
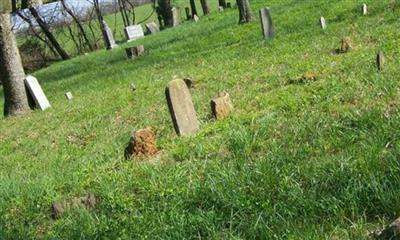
132	87
142	144
322	22
196	18
345	45
220	8
133	52
228	5
37	93
152	27
380	60
59	208
221	106
364	9
108	37
188	16
69	96
181	108
175	17
266	23
133	32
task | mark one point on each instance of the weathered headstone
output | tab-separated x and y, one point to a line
152	27
142	144
364	9
322	22
133	52
175	17
188	16
133	32
87	202
68	96
345	45
228	5
266	23
196	18
221	106
36	92
108	36
220	8
181	108
380	60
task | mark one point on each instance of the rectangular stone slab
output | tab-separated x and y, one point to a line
181	108
266	23
133	32
109	37
37	93
152	27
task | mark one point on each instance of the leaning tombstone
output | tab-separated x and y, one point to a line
221	106
133	32
175	17
152	27
364	9
380	60
37	93
322	22
108	36
133	52
196	18
188	16
266	23
181	108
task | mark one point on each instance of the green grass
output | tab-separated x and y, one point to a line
314	160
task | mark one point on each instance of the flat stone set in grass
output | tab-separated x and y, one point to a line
60	208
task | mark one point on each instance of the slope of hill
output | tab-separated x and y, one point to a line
297	159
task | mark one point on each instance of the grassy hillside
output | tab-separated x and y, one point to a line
296	160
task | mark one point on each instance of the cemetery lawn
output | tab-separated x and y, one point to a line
297	159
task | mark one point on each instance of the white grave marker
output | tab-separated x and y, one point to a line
133	32
322	22
69	96
37	93
364	9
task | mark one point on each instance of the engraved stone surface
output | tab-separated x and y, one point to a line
134	32
181	108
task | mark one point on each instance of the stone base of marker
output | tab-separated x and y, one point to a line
345	45
133	52
142	144
59	208
380	60
221	106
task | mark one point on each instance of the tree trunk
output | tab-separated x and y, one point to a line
12	74
245	13
45	29
222	3
193	7
164	12
78	23
14	5
204	6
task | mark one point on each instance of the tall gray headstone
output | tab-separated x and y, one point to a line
133	33
380	60
36	92
108	36
266	23
175	17
322	22
152	27
181	108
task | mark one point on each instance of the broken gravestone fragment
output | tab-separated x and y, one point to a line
221	106
142	144
68	96
380	60
345	45
59	208
37	93
181	108
133	52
